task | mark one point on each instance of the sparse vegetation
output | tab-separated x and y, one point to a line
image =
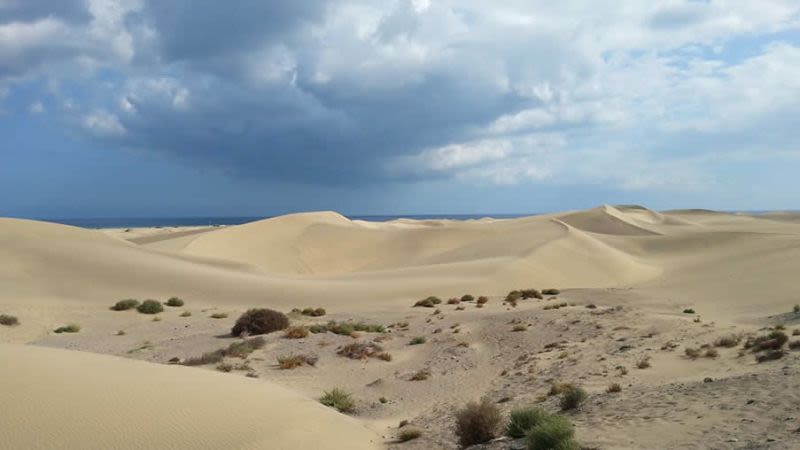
614	388
346	328
219	316
477	422
692	353
688	311
643	362
554	433
729	341
296	332
296	360
556	306
417	340
429	302
260	321
770	355
408	434
224	367
482	300
794	345
71	328
711	353
174	302
8	320
313	312
240	349
513	297
360	350
186	314
120	333
572	398
124	305
772	341
550	292
519	328
530	293
467	298
339	399
522	420
420	375
150	307
796	309
560	388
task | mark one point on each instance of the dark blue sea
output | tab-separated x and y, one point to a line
139	222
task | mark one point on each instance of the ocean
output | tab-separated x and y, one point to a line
142	222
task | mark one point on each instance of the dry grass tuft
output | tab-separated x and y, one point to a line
293	361
477	422
296	332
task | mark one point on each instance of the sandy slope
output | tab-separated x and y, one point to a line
63	399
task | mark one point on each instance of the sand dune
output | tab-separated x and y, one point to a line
62	399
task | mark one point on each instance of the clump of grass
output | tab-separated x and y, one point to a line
513	296
519	328
729	341
711	353
296	332
614	388
219	316
692	353
417	340
339	399
186	314
467	298
429	302
572	398
408	434
260	321
560	388
71	328
550	291
556	305
794	345
530	293
772	341
120	333
522	420
150	307
346	328
796	332
482	300
296	360
206	358
453	301
124	305
174	302
554	433
239	349
643	362
420	375
477	422
224	367
360	350
688	311
770	355
8	320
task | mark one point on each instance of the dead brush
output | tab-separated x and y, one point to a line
360	350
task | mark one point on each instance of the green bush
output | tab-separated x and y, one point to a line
417	340
408	434
522	420
429	302
8	321
572	398
477	422
150	307
467	298
175	302
688	311
554	433
339	399
550	292
260	321
529	293
71	328
124	305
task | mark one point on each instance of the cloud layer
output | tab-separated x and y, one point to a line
629	94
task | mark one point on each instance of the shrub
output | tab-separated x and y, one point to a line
8	321
692	353
560	388
794	345
453	301
796	309
319	312
186	314
513	296
150	307
711	353
550	292
417	340
206	358
420	375
71	328
483	300
360	350
688	311
614	388
519	328
339	399
124	305
292	361
296	332
467	298
772	341
572	398
477	422
224	367
727	341
386	356
643	362
555	433
796	332
260	321
174	302
522	420
219	316
529	293
240	349
429	302
408	434
770	355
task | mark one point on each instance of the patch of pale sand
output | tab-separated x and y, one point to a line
62	399
154	234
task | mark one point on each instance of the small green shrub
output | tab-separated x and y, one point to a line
429	302
519	328
8	320
688	311
467	298
260	321
417	340
339	399
477	422
186	314
71	328
150	307
529	293
219	316
522	420
408	434
550	292
572	398
513	296
555	433
124	305
174	302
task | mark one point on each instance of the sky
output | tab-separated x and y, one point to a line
137	108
